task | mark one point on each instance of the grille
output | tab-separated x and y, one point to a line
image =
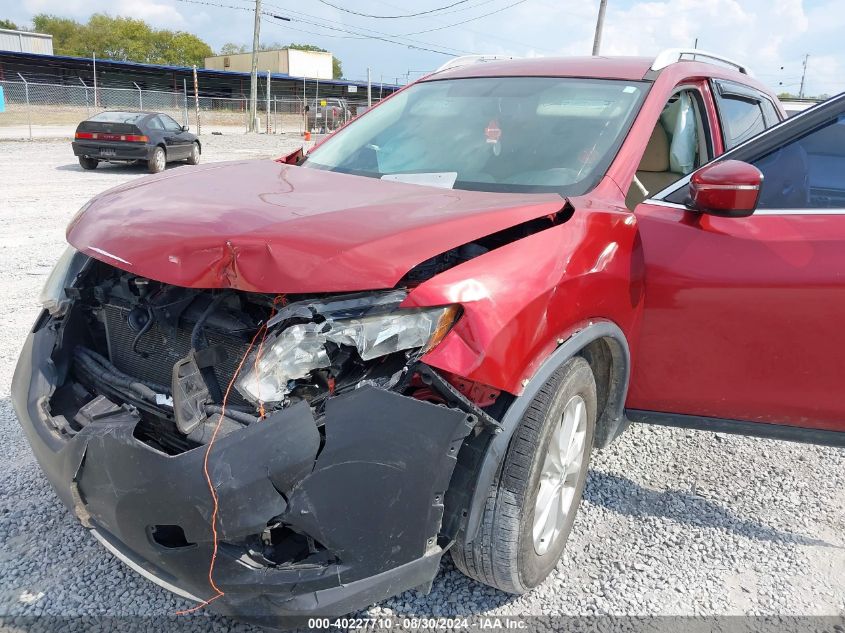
162	349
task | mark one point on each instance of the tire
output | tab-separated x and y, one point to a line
157	161
505	554
88	163
194	157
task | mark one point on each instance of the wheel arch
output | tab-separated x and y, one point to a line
605	347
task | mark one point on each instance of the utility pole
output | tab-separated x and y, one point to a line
803	76
253	82
599	27
369	90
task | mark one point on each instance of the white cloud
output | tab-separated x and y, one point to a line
157	14
766	34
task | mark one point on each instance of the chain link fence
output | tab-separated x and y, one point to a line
29	104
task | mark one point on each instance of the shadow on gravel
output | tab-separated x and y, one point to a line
116	168
626	497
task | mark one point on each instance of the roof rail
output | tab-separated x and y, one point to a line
464	60
672	55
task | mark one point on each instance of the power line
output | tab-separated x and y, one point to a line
392	17
366	33
467	8
473	19
485	35
358	29
375	35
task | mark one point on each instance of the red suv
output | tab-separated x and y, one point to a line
289	387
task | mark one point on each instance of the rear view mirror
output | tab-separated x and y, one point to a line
727	188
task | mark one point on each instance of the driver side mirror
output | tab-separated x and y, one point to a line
727	188
186	128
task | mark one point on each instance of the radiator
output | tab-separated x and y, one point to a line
157	351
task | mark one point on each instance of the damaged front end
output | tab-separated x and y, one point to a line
334	445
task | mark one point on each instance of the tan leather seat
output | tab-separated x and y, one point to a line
653	171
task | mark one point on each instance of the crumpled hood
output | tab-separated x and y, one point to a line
264	226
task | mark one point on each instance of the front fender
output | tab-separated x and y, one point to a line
519	299
531	305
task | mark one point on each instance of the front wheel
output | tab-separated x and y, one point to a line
531	507
88	163
158	161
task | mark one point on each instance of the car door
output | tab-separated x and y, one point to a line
743	317
177	141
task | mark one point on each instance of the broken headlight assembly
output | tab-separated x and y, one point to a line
53	297
304	347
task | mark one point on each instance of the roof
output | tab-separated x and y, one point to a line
27	33
188	69
269	50
630	68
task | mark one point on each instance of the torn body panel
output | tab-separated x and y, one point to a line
285	229
519	300
365	508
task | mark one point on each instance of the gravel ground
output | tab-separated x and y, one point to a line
674	522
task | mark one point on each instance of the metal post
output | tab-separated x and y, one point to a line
28	113
185	98
304	105
253	84
94	57
599	27
197	99
803	76
87	108
140	96
268	102
369	90
275	115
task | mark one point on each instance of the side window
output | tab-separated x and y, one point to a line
743	111
769	112
741	119
679	144
155	123
807	173
169	124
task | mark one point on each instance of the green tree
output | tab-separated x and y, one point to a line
125	39
230	48
8	24
67	34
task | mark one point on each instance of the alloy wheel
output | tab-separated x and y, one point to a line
559	475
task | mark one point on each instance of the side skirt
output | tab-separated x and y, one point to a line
740	427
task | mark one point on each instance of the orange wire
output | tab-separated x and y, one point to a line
215	501
278	300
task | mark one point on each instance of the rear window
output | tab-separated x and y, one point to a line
510	134
118	117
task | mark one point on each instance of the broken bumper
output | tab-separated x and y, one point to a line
373	495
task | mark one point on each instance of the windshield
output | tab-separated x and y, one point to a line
512	134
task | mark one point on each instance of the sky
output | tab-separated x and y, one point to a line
771	36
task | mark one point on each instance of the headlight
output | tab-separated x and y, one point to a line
301	348
53	297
